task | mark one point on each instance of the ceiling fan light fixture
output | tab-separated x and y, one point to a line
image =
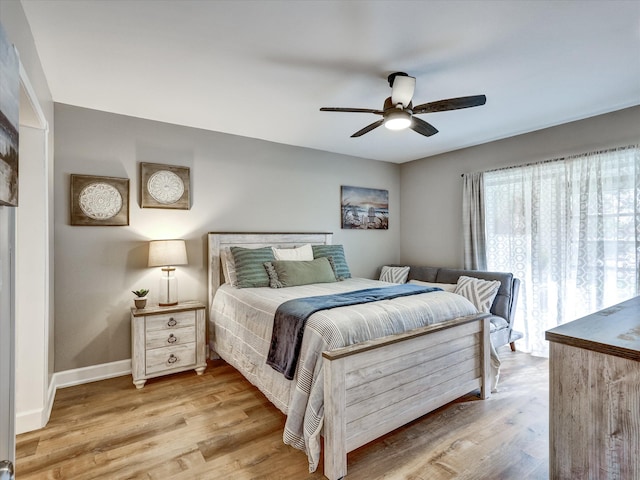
397	120
398	111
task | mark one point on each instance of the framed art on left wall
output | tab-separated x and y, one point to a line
99	200
9	117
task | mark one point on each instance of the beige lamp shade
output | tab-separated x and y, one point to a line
167	254
164	253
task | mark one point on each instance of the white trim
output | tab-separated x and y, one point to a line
46	412
69	378
29	421
38	418
33	99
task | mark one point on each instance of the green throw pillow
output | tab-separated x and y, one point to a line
290	273
337	253
249	263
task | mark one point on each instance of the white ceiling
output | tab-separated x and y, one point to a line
263	69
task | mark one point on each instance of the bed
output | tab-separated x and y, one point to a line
350	386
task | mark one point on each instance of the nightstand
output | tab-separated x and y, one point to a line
167	340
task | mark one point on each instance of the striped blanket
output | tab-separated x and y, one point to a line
291	317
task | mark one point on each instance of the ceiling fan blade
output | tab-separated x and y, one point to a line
368	128
356	110
402	89
422	127
451	104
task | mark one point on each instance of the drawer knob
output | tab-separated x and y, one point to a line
172	322
172	338
172	359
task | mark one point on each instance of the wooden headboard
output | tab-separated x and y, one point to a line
220	240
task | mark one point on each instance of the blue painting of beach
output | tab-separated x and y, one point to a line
365	208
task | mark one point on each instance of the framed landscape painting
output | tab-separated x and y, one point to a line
365	208
9	118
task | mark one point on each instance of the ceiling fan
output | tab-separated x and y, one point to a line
398	111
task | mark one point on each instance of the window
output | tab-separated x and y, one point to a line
570	230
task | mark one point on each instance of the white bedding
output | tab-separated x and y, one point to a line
241	322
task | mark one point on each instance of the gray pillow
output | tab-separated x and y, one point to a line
249	263
339	260
290	273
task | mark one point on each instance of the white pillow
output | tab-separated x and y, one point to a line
394	274
479	292
228	267
301	253
447	287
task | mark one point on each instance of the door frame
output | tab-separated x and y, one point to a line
7	337
32	116
34	311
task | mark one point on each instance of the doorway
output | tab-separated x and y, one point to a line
34	157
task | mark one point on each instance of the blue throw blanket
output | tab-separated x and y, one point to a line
291	317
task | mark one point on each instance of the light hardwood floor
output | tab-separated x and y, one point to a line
218	426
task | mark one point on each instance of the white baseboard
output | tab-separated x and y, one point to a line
36	419
93	373
29	421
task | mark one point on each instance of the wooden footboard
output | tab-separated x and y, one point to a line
377	386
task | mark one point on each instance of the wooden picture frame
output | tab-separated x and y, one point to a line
100	201
364	208
9	121
164	186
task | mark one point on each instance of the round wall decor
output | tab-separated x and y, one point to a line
165	187
97	200
100	201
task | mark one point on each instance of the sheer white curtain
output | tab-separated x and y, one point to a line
570	230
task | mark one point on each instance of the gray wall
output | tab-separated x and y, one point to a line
431	197
242	184
238	184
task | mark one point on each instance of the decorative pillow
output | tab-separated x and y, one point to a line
447	287
303	252
249	264
339	260
289	273
479	292
394	274
228	267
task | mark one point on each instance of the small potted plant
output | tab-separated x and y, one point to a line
141	297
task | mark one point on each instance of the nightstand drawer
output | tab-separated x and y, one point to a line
170	337
170	321
168	358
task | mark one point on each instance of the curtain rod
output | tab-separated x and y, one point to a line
541	162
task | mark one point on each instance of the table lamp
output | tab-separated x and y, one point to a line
167	254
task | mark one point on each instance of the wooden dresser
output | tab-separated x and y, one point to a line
167	340
594	395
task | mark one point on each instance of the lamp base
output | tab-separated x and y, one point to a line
167	304
168	296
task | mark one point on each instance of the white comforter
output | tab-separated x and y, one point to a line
241	322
